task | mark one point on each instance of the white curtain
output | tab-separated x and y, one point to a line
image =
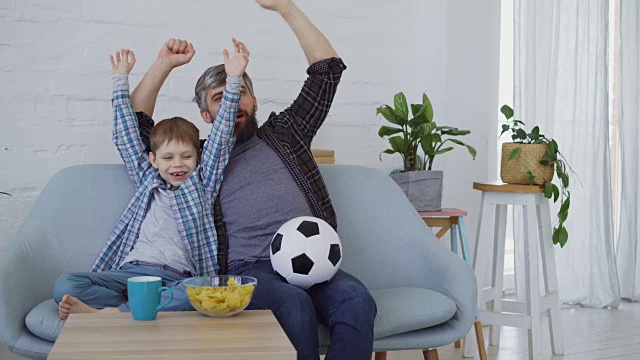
629	106
561	85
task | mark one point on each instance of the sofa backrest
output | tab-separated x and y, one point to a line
80	206
383	237
385	242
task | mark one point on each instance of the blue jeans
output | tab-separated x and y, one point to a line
109	288
343	305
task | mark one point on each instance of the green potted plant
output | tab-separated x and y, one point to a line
531	159
418	141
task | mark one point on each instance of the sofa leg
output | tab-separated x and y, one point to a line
381	355
457	344
430	354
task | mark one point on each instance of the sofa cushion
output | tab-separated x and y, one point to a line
44	321
406	309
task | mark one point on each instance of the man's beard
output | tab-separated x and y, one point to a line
247	129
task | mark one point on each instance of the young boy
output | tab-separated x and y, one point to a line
167	230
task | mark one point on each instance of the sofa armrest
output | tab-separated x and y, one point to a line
455	279
29	267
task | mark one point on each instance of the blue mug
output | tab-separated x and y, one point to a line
144	296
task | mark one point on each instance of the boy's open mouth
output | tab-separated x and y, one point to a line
178	174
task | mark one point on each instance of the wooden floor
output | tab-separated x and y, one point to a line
589	334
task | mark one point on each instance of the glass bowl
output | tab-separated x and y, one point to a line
220	295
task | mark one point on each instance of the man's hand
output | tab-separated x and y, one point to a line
176	52
275	5
238	64
124	61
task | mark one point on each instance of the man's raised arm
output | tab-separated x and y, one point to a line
174	53
315	45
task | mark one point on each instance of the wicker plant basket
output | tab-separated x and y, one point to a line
528	159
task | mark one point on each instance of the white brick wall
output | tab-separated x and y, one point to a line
55	80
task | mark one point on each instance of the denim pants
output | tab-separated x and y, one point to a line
109	288
343	305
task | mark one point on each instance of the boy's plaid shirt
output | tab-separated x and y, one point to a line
289	134
192	202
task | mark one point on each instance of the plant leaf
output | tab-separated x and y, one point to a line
507	111
505	128
565	205
398	144
563	236
556	193
514	153
531	177
521	134
470	149
427	144
391	115
400	104
387	130
415	109
565	180
456	132
388	151
442	151
428	108
548	190
535	133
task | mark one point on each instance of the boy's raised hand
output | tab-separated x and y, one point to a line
176	52
238	64
124	61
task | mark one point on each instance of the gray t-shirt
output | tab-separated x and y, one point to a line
258	195
159	241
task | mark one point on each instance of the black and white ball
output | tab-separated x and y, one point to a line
306	251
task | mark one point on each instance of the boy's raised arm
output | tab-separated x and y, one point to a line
126	136
217	148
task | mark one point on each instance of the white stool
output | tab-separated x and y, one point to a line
523	314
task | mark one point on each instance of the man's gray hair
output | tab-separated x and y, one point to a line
214	77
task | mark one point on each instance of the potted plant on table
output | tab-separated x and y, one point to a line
531	159
418	141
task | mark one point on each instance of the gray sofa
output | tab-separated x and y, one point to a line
425	295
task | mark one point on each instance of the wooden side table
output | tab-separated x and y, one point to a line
453	219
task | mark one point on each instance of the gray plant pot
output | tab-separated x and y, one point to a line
423	188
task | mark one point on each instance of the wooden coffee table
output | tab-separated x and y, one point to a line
179	335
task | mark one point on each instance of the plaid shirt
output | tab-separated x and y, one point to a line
289	134
191	201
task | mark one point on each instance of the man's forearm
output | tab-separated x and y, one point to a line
144	96
315	45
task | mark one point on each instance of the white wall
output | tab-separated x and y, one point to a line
55	79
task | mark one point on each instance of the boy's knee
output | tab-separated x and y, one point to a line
64	285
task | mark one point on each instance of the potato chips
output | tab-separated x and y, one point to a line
220	300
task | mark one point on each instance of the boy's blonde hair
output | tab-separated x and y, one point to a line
174	129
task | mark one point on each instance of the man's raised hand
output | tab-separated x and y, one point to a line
124	61
236	65
176	52
274	5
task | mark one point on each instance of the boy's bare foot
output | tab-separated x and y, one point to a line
71	305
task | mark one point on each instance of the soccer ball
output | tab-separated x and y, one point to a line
306	251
